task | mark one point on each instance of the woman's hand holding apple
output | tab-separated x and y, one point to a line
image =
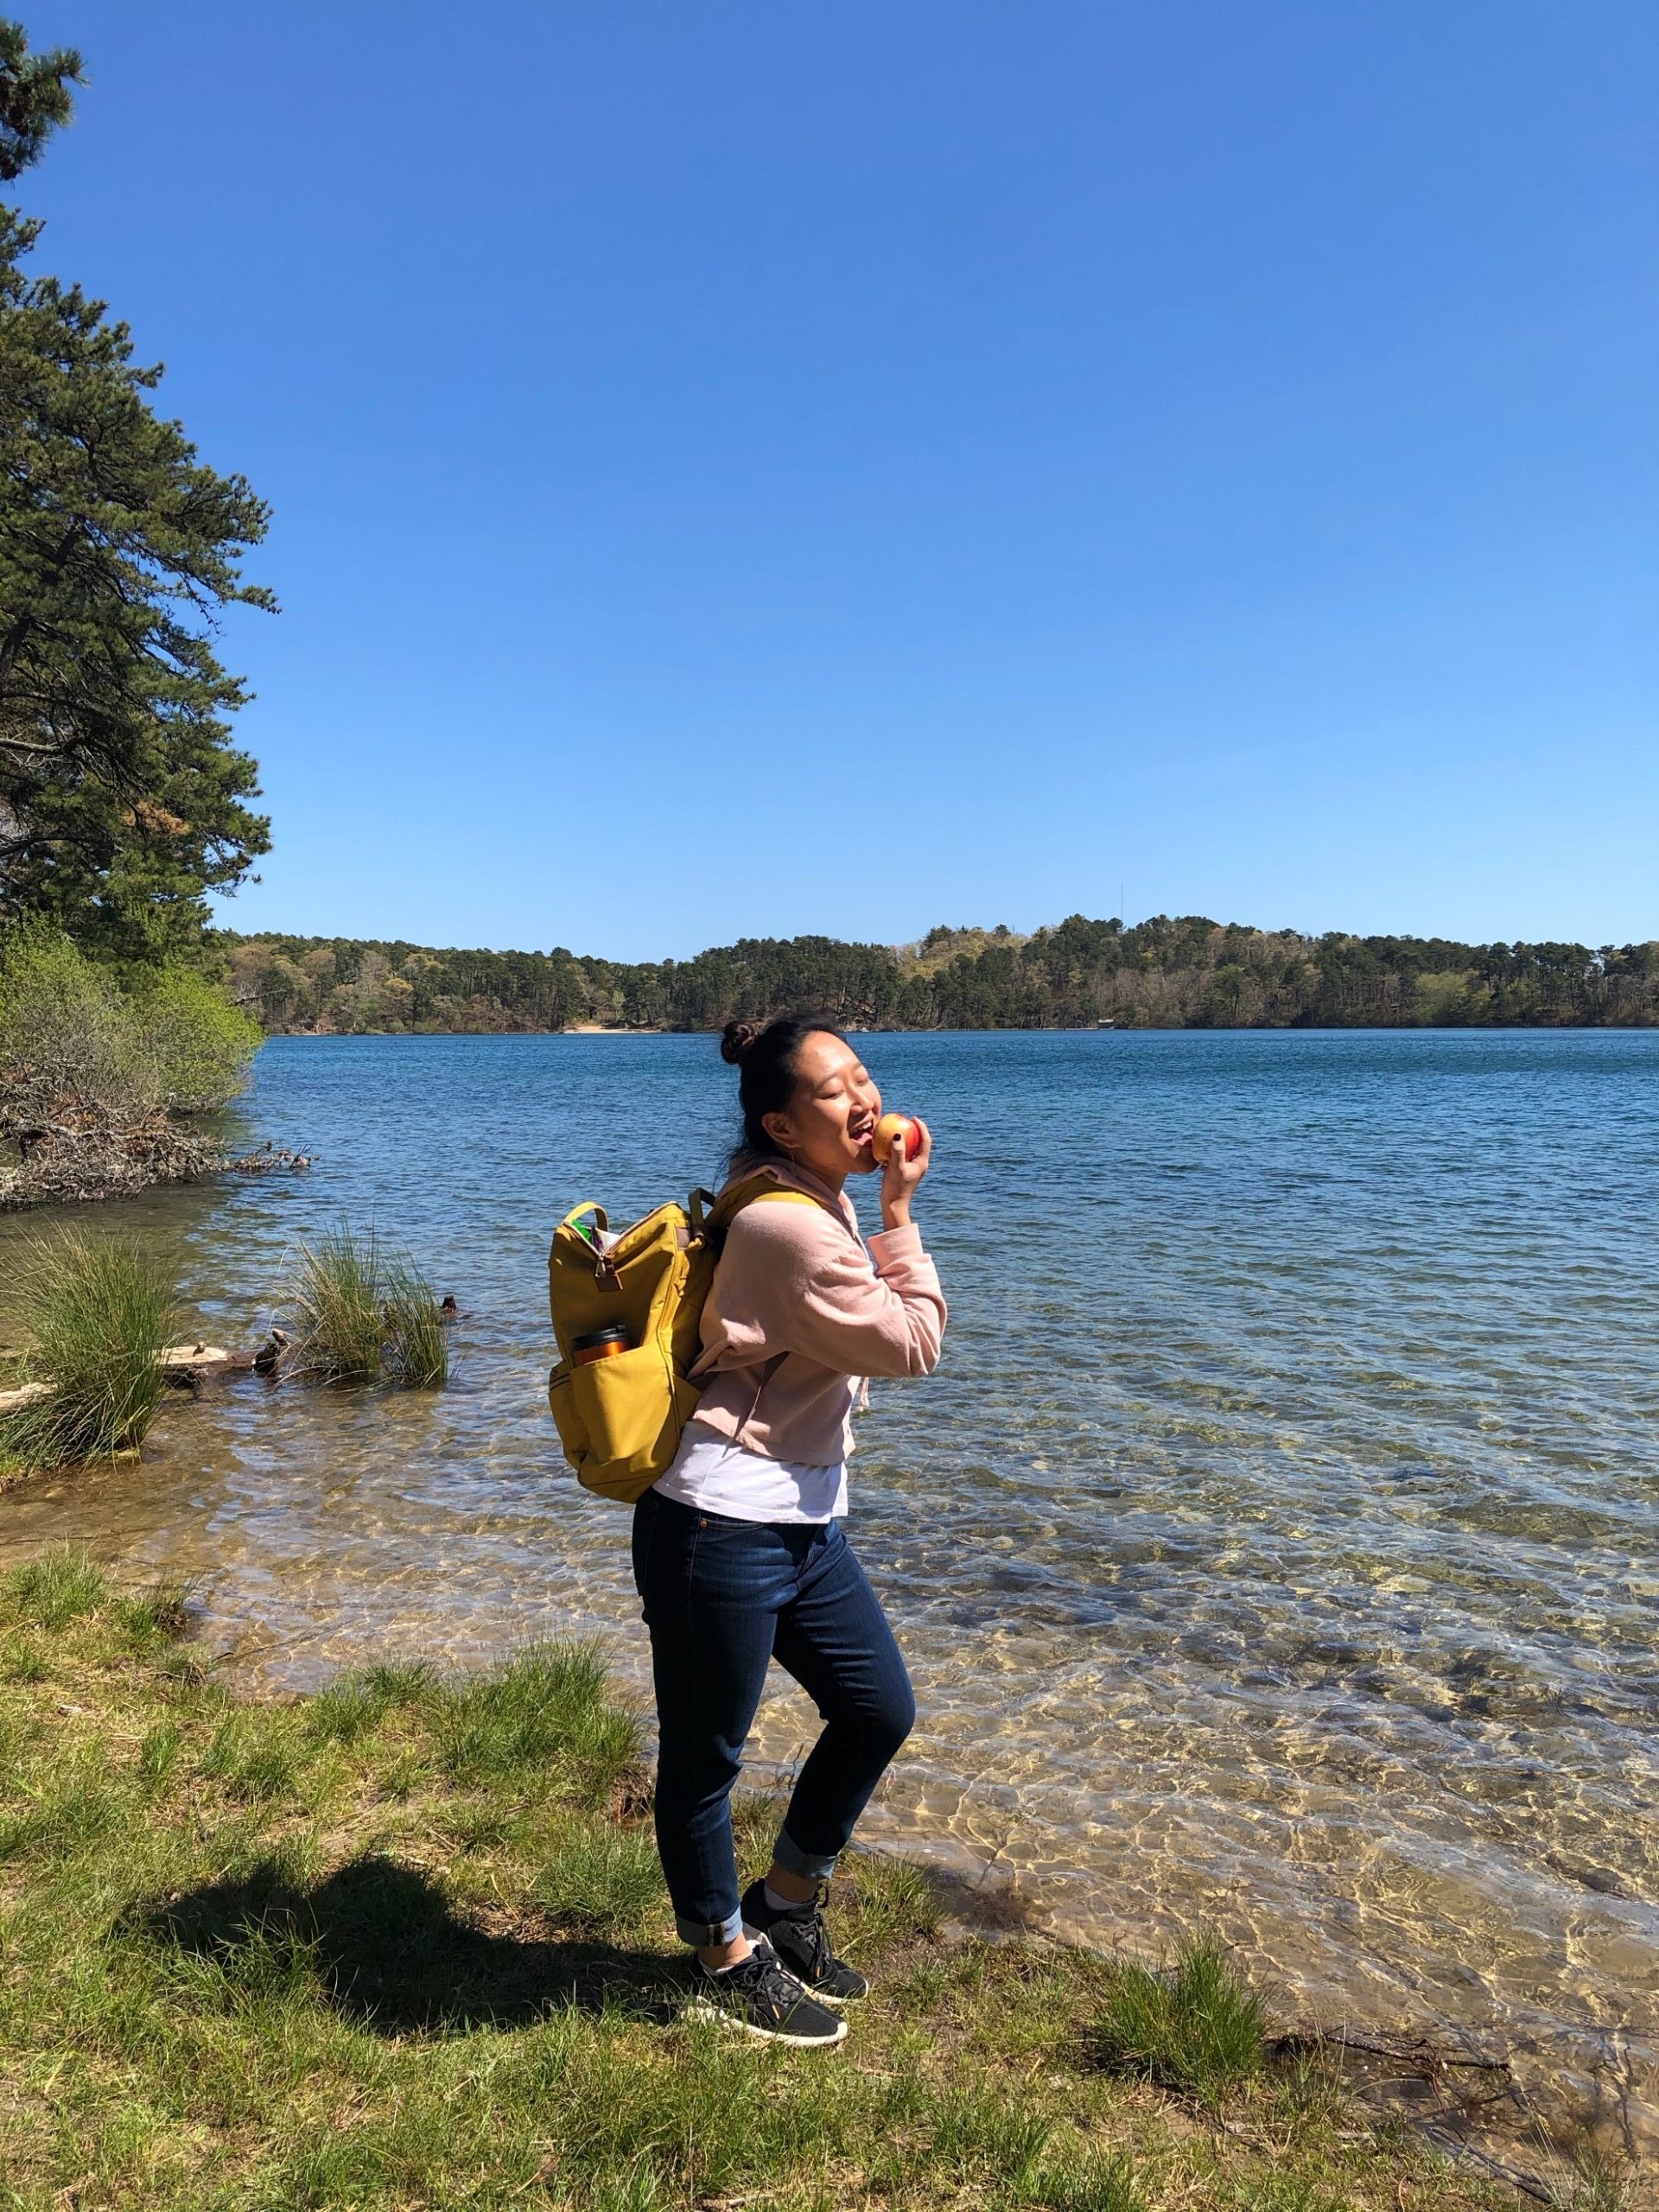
903	1166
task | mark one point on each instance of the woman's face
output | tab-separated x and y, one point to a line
828	1122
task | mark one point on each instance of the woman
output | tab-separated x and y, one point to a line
738	1551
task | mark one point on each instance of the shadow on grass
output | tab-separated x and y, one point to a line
390	1951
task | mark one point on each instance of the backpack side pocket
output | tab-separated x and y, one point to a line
567	1418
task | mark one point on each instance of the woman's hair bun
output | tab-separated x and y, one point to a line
736	1039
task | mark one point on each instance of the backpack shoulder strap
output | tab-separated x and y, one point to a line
721	1212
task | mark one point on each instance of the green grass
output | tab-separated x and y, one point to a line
548	1713
362	1315
401	1947
1197	2027
54	1587
339	1336
602	1880
97	1310
417	1352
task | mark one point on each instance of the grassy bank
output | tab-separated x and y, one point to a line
403	1945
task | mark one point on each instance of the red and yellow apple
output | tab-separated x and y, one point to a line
888	1129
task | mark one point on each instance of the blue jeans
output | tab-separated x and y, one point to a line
720	1598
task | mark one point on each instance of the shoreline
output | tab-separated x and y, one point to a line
1044	1029
451	1850
1408	2056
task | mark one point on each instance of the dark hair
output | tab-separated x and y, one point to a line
767	1061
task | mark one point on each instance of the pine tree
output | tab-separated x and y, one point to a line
34	98
121	796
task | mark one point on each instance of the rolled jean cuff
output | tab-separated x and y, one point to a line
705	1934
810	1866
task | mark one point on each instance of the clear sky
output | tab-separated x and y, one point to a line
745	468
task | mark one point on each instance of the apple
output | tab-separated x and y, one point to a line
892	1126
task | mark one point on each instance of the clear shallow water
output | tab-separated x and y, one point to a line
1277	1549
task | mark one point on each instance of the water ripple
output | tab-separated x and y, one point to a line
1276	1551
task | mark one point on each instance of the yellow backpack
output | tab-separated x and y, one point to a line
620	1416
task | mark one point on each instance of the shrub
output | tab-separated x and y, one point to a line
64	1032
194	1045
68	1033
1197	2029
99	1311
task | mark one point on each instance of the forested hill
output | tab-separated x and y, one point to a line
1160	974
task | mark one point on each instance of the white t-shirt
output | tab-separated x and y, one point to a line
717	1476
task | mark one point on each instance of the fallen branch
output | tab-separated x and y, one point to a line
1423	2056
266	1160
186	1366
86	1151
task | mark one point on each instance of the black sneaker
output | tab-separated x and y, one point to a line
762	1998
802	1942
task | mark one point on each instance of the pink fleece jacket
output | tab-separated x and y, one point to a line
800	1309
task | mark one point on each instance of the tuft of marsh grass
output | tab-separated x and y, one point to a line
159	1614
975	2129
98	1311
895	1899
417	1344
602	1879
336	1297
1588	2180
363	1314
253	1754
158	1754
73	1811
355	1704
1197	2028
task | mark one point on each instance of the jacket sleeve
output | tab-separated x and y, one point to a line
813	1289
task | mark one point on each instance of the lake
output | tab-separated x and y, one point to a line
1276	1549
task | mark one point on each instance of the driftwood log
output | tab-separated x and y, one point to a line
186	1366
189	1366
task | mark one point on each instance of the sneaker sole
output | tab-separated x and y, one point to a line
701	2008
823	1996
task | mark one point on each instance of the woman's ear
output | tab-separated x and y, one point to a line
780	1129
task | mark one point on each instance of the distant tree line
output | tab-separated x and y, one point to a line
1161	974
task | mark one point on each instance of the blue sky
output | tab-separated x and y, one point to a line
747	468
